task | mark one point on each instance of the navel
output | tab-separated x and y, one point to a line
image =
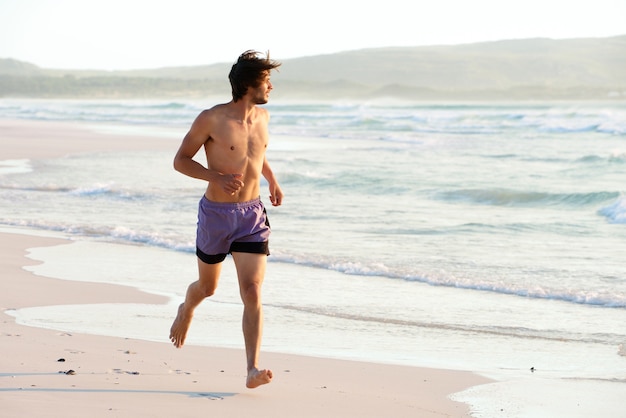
232	147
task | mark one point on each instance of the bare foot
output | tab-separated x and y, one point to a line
258	377
178	332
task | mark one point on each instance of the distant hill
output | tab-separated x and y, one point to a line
577	69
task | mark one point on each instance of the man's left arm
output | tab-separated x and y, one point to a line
276	194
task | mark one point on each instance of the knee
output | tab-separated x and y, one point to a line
251	294
205	290
208	291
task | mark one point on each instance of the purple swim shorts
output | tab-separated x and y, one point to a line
224	228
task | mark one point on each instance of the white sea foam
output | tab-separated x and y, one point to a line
615	212
15	166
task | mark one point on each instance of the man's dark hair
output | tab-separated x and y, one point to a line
249	71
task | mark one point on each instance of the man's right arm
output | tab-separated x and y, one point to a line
184	163
194	140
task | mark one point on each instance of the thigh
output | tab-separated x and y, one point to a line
250	268
209	275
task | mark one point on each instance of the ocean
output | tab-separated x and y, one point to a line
480	236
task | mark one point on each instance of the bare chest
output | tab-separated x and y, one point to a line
236	144
246	139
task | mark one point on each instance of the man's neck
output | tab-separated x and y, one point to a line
243	109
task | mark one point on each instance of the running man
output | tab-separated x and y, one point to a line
231	218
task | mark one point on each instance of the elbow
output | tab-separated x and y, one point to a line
177	163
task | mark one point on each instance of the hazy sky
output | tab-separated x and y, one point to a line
131	34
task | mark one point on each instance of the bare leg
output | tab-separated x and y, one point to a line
251	271
196	292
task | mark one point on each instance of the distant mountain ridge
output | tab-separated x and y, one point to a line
586	68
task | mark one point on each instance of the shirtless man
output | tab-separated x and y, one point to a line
231	217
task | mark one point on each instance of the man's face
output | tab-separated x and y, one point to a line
261	94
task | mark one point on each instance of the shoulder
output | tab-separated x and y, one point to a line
212	112
262	113
208	117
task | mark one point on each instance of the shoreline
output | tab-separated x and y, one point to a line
142	378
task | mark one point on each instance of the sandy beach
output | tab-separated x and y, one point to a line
50	373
